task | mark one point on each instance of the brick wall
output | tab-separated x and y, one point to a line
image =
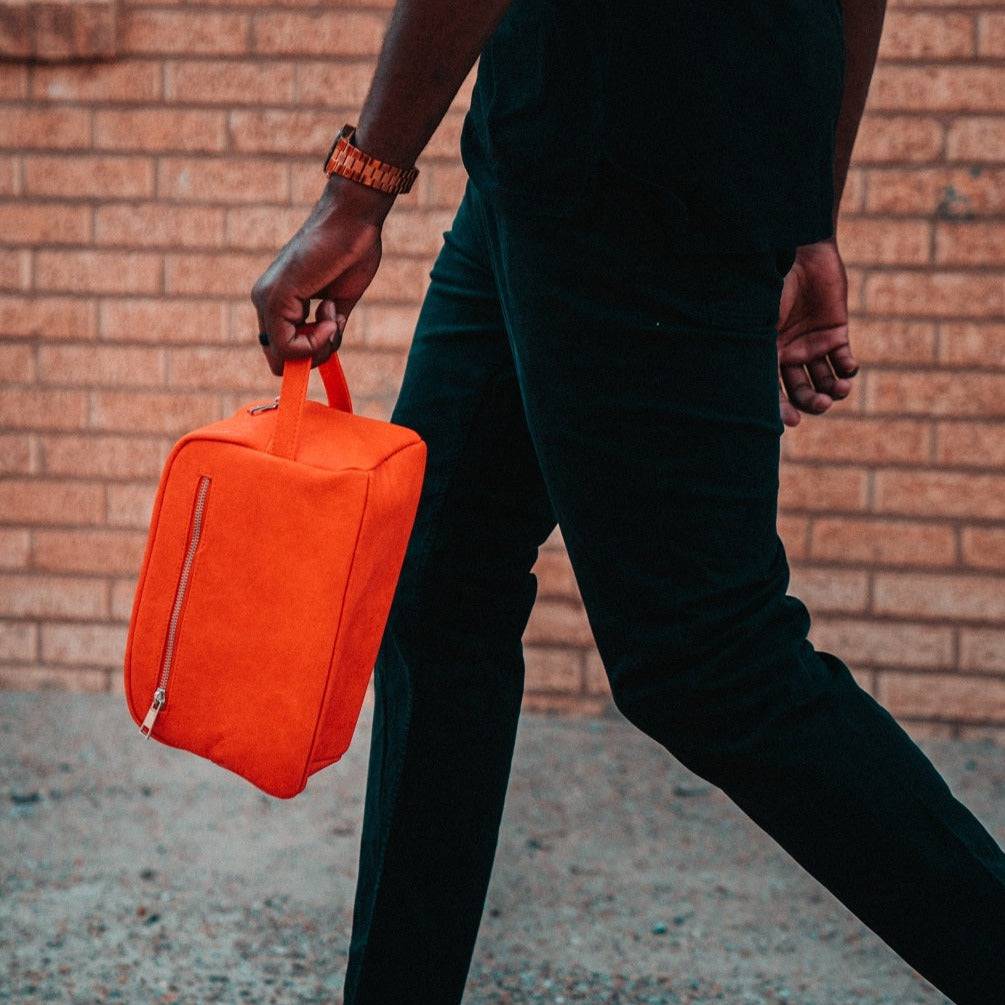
144	187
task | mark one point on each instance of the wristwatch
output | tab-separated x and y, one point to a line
349	161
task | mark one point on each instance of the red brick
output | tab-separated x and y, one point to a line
160	129
946	192
307	182
44	223
22	595
152	412
17	363
884	643
16	42
278	132
966	343
936	294
883	542
554	621
113	551
130	504
215	275
97	456
884	138
991	34
794	532
445	140
15	547
937	595
262	227
123	594
984	547
10	175
419	232
157	225
239	367
183	32
230	180
50	501
882	340
120	80
399	280
554	575
100	366
565	705
33	128
339	85
16	454
84	175
933	393
98	271
553	669
446	183
868	241
371	373
385	326
813	487
18	640
74	30
970	443
926	36
330	33
974	243
33	408
943	696
229	82
595	675
982	650
84	644
931	88
15	269
164	320
857	439
42	678
941	493
976	138
830	589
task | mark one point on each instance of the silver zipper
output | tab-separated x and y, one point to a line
254	409
160	692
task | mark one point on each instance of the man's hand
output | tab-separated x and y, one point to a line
331	258
815	361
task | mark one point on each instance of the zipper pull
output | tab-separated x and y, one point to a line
160	697
255	409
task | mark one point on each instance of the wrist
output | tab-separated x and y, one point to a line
352	198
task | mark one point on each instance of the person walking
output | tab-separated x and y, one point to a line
640	290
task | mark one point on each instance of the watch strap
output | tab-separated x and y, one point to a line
349	161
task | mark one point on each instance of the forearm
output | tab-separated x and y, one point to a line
863	25
428	51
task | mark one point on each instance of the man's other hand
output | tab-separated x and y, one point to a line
815	361
332	258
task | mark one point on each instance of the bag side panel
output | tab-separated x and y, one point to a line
384	534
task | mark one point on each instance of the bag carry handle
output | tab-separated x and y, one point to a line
293	394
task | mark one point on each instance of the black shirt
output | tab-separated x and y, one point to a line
720	113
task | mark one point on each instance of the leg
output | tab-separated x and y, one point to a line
650	388
449	677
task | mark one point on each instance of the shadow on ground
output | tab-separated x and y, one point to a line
137	873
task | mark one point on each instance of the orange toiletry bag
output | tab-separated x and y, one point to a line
275	546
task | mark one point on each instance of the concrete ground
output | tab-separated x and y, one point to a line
137	873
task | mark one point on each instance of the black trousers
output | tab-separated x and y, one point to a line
582	372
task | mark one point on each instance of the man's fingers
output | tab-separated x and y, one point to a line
801	391
843	361
808	346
